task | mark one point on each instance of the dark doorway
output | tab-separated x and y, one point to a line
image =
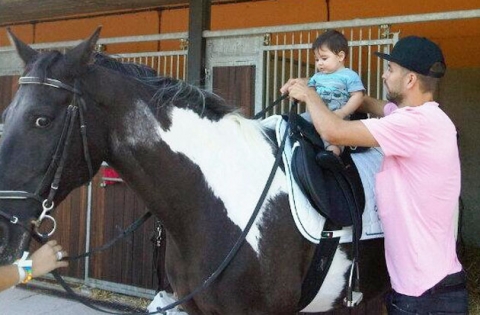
236	84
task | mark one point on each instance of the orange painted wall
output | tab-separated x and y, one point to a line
460	40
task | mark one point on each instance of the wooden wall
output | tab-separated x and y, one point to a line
131	260
8	87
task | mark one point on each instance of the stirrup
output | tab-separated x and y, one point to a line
357	297
354	296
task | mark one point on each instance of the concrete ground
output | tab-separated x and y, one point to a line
23	300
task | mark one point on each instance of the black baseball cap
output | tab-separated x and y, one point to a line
418	54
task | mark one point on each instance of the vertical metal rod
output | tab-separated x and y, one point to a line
350	57
88	230
369	62
360	38
164	70
275	72
185	62
177	71
268	74
284	63
292	59
379	78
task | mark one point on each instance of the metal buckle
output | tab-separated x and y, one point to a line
44	215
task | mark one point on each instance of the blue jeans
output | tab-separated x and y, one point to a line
440	300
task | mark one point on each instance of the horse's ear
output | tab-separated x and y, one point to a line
25	52
81	54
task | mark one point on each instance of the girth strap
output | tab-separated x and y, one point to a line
319	266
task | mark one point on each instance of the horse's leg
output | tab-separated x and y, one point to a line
177	270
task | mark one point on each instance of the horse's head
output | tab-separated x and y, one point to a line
46	151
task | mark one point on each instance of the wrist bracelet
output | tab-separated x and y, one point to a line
24	268
21	274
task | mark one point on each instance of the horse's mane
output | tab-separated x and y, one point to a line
169	90
178	93
139	71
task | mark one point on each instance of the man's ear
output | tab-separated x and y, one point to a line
412	78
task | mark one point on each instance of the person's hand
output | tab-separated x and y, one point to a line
297	89
45	259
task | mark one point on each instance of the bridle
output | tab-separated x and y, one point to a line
54	172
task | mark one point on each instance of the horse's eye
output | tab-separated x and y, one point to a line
42	122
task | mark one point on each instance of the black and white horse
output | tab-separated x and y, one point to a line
199	166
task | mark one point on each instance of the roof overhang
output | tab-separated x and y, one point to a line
28	11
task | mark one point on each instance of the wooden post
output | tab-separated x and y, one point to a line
199	20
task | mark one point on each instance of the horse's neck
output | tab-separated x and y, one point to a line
196	169
185	167
112	88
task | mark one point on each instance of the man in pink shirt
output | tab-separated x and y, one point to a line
418	186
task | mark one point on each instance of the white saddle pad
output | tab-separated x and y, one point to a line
309	222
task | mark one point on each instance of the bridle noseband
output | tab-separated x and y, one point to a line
55	169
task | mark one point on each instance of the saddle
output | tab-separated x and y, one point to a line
332	184
334	188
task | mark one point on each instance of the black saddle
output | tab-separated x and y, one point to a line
331	184
334	188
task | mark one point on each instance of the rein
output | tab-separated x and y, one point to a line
261	114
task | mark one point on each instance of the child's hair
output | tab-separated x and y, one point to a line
333	40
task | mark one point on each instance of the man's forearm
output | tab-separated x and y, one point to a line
372	106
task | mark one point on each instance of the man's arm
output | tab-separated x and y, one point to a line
330	127
372	106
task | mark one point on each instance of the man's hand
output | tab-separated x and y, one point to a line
296	89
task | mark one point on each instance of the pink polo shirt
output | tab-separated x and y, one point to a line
417	190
